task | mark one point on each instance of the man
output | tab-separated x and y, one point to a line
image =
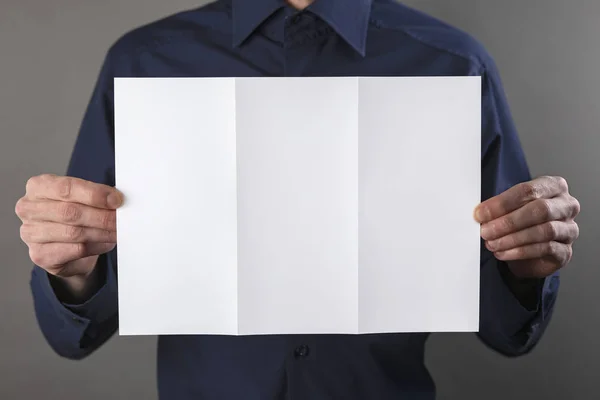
527	225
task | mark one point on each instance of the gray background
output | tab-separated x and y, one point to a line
549	54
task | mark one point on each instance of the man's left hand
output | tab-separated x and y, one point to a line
531	226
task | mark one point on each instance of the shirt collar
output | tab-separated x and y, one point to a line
349	18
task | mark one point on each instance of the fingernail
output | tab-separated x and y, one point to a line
114	200
491	245
480	214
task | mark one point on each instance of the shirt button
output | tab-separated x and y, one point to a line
301	351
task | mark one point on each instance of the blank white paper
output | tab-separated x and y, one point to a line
419	182
297	205
177	229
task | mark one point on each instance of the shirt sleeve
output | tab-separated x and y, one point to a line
74	331
506	325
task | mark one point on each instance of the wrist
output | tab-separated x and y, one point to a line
78	288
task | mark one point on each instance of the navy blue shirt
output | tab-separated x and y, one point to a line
267	38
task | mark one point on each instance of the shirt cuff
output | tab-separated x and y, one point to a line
99	308
504	319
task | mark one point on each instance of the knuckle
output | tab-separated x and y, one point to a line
507	224
531	191
575	231
97	197
569	253
64	187
107	236
550	231
21	207
38	257
32	183
576	207
47	177
73	232
562	184
25	233
80	251
513	241
70	212
542	209
552	249
107	219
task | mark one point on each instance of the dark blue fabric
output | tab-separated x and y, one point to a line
266	38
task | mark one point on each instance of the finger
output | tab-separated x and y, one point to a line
575	207
534	213
74	190
558	231
49	255
559	251
68	213
516	197
49	232
539	268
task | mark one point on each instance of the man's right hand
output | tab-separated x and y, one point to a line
67	223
